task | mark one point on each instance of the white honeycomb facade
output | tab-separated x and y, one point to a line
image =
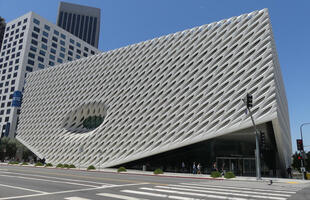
158	95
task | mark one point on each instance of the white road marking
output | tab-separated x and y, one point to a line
57	178
52	181
221	193
231	190
156	195
76	198
242	188
117	196
71	191
194	194
21	188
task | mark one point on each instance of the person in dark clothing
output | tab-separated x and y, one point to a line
289	172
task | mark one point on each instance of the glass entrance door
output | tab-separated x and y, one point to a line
238	165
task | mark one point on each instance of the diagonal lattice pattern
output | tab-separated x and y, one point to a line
157	95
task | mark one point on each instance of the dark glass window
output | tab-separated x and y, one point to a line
78	44
16	67
69	21
51	63
25	20
85	54
45	34
70	53
44	40
85	49
53	51
24	27
56	32
47	27
20	41
40	59
34	42
29	69
41	52
86	28
62	55
34	35
78	51
71	47
69	58
62	42
92	52
30	62
19	23
40	66
77	25
31	55
52	57
59	60
62	36
62	49
64	24
54	39
36	29
54	45
44	46
36	21
71	41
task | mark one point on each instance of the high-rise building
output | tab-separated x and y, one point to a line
31	43
81	21
170	99
2	29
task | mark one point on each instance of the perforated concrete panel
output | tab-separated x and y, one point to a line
158	95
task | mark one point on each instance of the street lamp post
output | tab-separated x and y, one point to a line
302	151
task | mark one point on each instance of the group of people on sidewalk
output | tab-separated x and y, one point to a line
196	168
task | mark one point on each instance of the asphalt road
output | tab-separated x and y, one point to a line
18	182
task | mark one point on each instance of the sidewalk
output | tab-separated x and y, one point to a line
181	175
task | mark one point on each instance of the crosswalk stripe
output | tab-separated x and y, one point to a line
242	188
194	194
76	198
157	195
231	190
221	193
117	196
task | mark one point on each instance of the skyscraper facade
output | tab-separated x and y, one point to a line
31	43
81	21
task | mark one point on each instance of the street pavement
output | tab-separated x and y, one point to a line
39	183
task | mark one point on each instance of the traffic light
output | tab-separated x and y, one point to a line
262	140
299	157
249	100
300	145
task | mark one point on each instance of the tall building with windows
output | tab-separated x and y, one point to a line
81	21
31	43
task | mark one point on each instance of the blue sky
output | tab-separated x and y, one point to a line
125	22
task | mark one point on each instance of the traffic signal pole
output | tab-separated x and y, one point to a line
302	151
257	151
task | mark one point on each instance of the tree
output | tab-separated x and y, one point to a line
9	148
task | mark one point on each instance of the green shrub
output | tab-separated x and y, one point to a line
121	169
91	167
13	163
24	163
38	164
158	171
48	165
216	174
71	166
229	175
66	166
60	165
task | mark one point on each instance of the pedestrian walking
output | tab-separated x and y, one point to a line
194	168
289	171
198	168
183	167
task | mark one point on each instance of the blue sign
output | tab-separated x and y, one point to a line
17	99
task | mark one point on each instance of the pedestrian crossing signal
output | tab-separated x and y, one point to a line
300	145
